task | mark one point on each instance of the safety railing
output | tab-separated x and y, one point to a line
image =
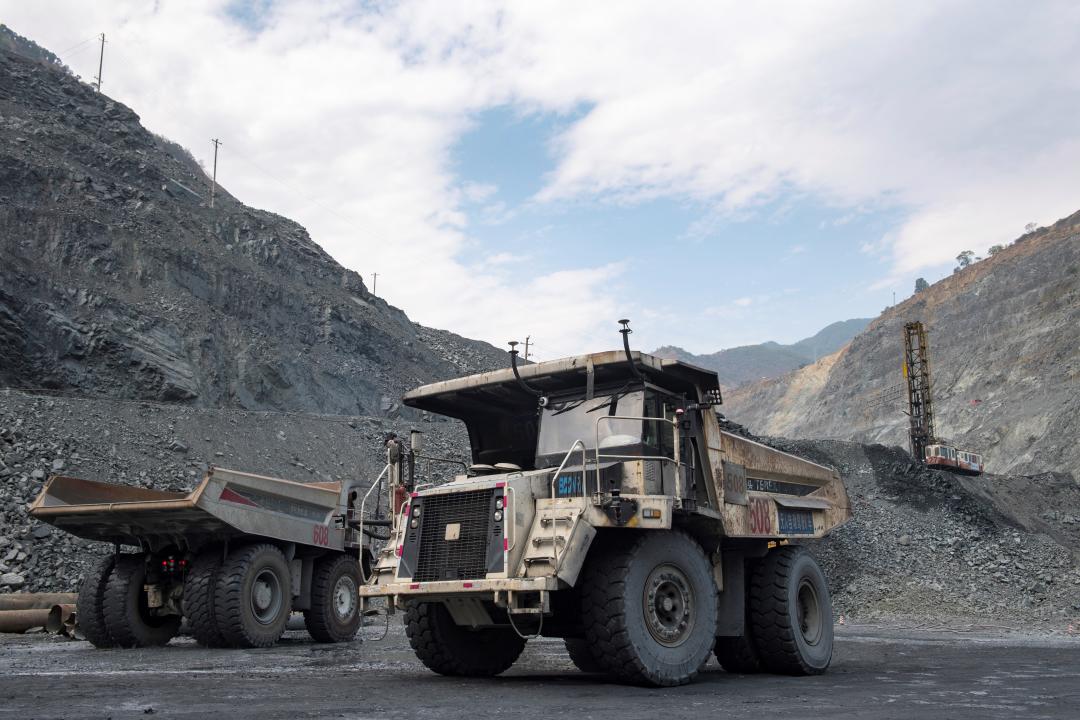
661	458
584	485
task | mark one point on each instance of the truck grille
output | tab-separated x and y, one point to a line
461	559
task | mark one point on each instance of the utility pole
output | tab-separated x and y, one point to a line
213	185
100	62
527	347
374	282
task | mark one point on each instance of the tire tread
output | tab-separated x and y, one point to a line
90	603
773	631
318	618
425	627
604	615
200	589
229	598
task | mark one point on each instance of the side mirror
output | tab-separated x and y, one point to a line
416	441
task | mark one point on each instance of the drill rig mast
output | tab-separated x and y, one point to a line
920	402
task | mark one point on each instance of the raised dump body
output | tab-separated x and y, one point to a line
226	504
606	506
235	556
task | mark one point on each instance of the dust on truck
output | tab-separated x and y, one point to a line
606	506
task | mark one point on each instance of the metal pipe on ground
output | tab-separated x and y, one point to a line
34	601
61	620
19	621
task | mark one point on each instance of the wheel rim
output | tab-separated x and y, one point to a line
345	598
669	605
266	597
808	610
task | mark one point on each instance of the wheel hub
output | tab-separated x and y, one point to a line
669	605
345	597
266	596
808	613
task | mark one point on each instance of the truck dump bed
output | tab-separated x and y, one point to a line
227	503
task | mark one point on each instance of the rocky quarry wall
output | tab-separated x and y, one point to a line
1004	339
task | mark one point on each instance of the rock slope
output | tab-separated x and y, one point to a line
118	280
1004	354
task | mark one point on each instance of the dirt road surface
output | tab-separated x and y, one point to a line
876	674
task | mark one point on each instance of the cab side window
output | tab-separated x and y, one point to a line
659	436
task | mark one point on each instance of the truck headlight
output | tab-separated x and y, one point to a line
498	503
414	523
416	512
498	516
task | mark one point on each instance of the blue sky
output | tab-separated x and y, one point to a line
721	172
780	271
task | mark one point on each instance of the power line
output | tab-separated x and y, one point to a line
78	45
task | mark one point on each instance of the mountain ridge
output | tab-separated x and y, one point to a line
748	363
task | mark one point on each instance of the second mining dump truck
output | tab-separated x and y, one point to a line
606	506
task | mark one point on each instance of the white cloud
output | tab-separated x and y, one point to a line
963	113
478	192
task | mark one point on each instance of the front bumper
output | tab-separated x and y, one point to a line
445	588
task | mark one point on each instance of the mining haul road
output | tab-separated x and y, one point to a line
875	674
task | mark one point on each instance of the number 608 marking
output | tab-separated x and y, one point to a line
320	535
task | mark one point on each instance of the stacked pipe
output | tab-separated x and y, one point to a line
54	612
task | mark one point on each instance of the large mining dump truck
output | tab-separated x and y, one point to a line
606	506
235	557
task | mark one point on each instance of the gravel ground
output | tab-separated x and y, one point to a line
877	673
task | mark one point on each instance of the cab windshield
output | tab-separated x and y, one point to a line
565	421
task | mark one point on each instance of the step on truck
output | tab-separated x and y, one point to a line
235	557
605	505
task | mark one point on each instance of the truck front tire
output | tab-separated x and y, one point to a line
334	615
128	618
450	649
791	614
253	598
649	609
90	603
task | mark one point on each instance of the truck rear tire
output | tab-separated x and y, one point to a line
449	649
334	615
581	655
90	603
200	591
791	613
649	610
253	600
128	618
